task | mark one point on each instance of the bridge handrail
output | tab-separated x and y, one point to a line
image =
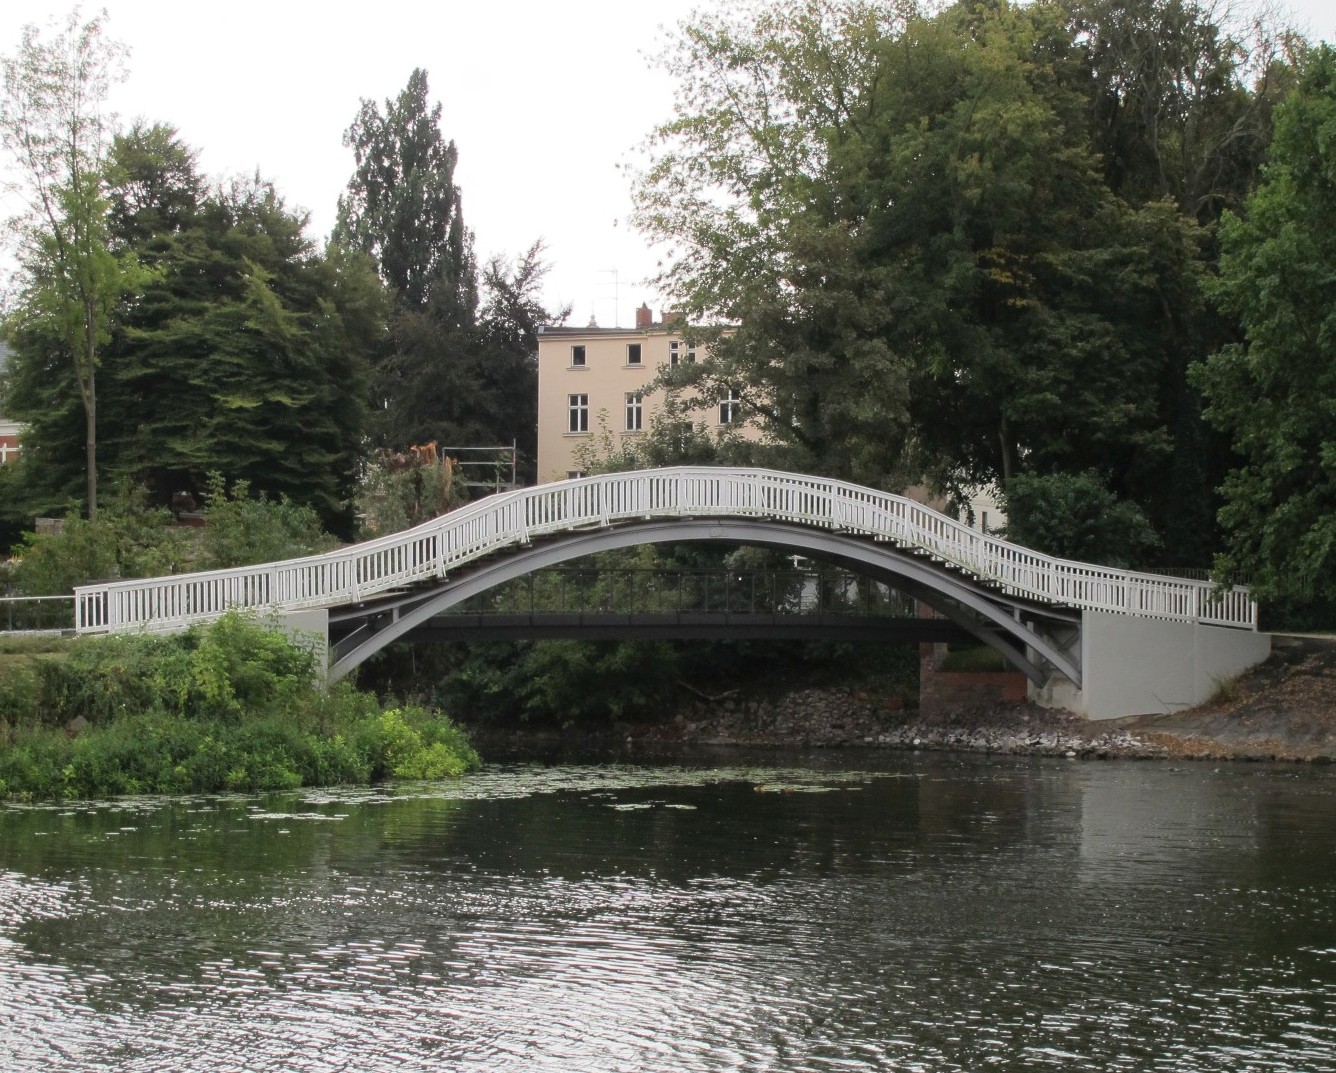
429	550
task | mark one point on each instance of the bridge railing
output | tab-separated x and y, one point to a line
36	614
430	550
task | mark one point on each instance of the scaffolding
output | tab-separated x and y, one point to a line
497	470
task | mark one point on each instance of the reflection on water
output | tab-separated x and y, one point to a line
903	913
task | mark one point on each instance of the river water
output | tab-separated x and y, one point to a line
777	912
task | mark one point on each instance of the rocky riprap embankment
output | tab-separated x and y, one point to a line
1283	710
835	717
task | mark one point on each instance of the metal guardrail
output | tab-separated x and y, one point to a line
36	614
509	519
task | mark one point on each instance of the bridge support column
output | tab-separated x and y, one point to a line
308	628
1145	666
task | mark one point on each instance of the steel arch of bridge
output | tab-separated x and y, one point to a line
1013	627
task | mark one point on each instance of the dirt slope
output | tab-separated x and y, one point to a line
1283	709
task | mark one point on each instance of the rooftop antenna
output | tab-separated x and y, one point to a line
616	294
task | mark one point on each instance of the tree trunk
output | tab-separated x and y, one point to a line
87	374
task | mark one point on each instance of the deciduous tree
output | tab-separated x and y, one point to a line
403	209
1273	391
402	205
913	222
53	127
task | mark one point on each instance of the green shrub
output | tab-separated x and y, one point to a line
238	667
1077	516
104	677
239	530
126	540
418	749
18	694
231	706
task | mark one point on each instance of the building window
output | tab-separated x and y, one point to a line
728	407
578	356
575	474
678	351
635	412
632	353
578	409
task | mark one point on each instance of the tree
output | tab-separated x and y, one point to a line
402	206
1272	392
740	187
247	357
449	372
914	224
506	384
926	247
52	125
1181	98
403	209
244	351
1075	516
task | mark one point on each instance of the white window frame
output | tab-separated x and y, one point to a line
579	356
674	348
729	407
577	413
635	354
635	412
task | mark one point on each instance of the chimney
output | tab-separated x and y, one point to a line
644	317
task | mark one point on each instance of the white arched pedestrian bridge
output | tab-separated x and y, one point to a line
1037	610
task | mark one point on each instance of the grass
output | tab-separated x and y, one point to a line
19	650
30	644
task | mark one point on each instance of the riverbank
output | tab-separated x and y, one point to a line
1283	710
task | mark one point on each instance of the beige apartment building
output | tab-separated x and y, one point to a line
592	389
592	396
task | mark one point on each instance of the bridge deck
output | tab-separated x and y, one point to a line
515	519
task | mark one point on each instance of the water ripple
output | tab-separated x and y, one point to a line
943	917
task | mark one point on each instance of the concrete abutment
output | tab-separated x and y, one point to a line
1143	666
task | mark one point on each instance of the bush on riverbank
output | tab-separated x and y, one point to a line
231	706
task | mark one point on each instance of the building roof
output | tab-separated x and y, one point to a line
566	332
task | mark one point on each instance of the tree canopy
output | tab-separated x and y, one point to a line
402	206
243	351
458	366
1273	390
965	245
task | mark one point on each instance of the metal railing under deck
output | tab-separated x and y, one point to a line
508	519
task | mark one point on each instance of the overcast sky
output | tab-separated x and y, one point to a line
544	101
